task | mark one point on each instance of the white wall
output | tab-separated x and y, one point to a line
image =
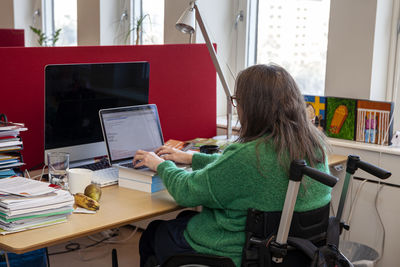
6	14
19	14
365	227
99	22
358	45
112	29
380	61
90	33
24	18
173	10
219	18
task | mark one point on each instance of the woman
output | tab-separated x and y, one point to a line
251	173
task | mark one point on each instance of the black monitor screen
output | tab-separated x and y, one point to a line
75	93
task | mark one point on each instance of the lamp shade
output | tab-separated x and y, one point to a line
186	23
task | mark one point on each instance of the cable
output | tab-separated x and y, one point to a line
353	204
134	231
113	235
69	248
76	246
26	173
381	222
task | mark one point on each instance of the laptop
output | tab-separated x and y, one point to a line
128	129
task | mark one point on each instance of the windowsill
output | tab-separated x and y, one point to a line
221	124
364	146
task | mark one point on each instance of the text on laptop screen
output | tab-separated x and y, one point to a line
131	130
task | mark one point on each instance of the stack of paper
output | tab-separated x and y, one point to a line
27	204
10	147
142	180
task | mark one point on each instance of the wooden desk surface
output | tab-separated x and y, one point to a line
118	206
334	159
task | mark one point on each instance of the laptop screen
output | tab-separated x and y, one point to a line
128	129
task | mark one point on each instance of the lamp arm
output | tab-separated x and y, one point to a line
214	59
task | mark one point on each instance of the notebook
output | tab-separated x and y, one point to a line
128	129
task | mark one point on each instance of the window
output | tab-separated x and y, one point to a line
65	18
294	34
151	14
60	15
153	27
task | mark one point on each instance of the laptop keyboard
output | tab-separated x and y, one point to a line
128	165
104	177
102	164
103	173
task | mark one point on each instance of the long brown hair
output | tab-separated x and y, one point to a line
271	107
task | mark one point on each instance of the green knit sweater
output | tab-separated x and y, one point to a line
226	186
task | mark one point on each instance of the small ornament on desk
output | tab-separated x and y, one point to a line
396	139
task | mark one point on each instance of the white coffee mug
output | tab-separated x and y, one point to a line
78	179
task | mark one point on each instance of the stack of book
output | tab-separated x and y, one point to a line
27	204
142	180
10	148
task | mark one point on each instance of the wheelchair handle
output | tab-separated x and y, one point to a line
299	167
354	162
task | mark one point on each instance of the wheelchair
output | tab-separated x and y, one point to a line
291	238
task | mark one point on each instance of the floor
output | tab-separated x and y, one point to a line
126	244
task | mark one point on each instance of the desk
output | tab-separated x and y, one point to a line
334	159
118	206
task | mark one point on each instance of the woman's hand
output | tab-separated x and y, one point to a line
149	159
176	155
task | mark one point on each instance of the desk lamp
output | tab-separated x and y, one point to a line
186	24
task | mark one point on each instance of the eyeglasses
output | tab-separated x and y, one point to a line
234	101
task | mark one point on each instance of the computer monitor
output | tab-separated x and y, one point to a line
74	94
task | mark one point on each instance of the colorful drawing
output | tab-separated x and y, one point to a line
373	120
340	118
316	106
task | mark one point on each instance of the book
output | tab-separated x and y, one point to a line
63	210
10	148
27	204
11	126
140	185
7	172
24	187
175	144
10	143
147	176
18	227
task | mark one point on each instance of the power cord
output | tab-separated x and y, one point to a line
26	174
381	221
353	204
134	231
76	246
84	254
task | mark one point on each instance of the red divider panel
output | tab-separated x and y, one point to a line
12	37
182	85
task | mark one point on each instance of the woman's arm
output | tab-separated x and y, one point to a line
195	188
189	189
200	160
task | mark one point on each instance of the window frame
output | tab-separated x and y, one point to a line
48	17
136	11
393	81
